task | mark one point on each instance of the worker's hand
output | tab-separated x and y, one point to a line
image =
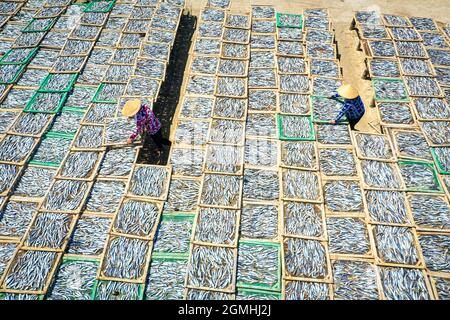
333	121
330	97
129	141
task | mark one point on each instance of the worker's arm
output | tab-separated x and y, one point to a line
336	97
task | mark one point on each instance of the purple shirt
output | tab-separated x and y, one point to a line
146	122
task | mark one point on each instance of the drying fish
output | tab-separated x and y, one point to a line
384	68
194	294
259	152
435	251
17	98
73	281
202	85
291	65
159	51
443	158
210	46
8	173
221	190
294	83
32	77
261	184
373	31
443	76
387	206
117	130
166	280
143	86
216	226
129	56
259	221
434	40
230	67
378	174
183	195
361	285
47	102
173	235
442	288
262	42
44	58
395	113
115	290
396	20
187	161
299	184
68	64
262	59
52	149
423	86
89	236
296	127
73	47
197	107
35	182
237	51
410	49
195	132
80	164
136	218
262	100
325	87
263	12
263	26
289	20
165	9
215	30
105	196
65	195
17	56
404	284
10	72
117	162
30	270
211	267
119	73
232	108
158	22
264	78
348	236
150	68
291	34
232	87
380	48
258	265
316	22
320	12
373	146
7	118
224	4
290	48
227	131
89	137
412	144
237	21
160	36
204	65
299	154
16	148
395	244
436	132
92	74
333	134
294	103
325	110
423	23
6	254
405	34
337	162
125	258
101	56
325	68
49	230
67	122
386	89
30	39
16	217
224	159
419	175
31	123
254	295
343	196
305	258
86	32
303	219
149	181
300	290
430	211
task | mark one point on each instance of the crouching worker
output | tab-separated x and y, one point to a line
147	124
353	107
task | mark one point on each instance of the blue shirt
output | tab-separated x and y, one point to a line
353	108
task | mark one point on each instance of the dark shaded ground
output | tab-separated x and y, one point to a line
169	94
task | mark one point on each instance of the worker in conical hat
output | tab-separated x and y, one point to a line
147	124
353	107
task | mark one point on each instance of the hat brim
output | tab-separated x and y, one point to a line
131	108
348	93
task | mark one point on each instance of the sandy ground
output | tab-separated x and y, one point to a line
341	12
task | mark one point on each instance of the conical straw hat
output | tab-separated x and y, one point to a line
347	91
131	107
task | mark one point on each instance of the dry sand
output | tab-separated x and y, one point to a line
341	12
